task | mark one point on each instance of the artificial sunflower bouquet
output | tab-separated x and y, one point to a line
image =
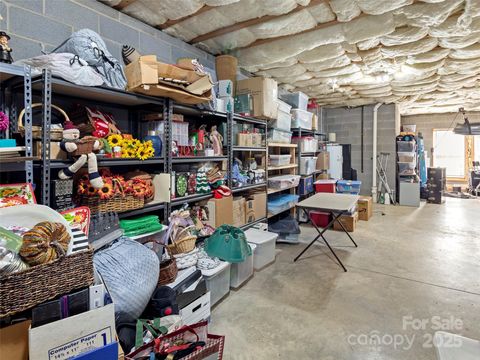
131	148
117	194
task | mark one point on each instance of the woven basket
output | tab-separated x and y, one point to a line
184	245
168	272
118	203
55	134
84	146
23	290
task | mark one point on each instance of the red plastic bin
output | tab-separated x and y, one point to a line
321	219
326	186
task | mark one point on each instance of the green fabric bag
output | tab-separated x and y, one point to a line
142	225
228	243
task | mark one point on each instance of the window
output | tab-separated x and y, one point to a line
449	152
476	148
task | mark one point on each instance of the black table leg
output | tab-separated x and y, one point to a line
346	232
320	234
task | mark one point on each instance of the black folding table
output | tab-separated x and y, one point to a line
334	204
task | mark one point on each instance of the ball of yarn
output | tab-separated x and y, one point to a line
45	242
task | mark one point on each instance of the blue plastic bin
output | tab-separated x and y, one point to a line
279	203
349	186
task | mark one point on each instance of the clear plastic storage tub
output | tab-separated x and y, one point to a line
283	106
279	160
406	146
406	168
407	157
298	100
279	136
282	122
240	273
308	165
349	186
279	203
307	143
218	281
264	243
301	119
283	181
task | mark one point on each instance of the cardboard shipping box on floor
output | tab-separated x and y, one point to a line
259	204
220	211
264	93
238	211
365	207
14	341
323	160
250	211
348	221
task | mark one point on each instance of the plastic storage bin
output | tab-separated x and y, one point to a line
279	136
349	186
264	243
406	146
298	100
306	185
283	181
409	128
325	185
301	119
279	203
283	106
279	160
240	273
282	122
406	168
307	143
308	165
218	281
407	157
319	218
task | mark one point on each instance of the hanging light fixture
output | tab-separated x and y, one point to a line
467	128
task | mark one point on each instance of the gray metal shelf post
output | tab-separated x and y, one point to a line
167	168
46	121
27	88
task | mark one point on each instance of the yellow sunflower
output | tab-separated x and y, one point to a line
127	144
150	152
126	153
136	143
115	140
142	153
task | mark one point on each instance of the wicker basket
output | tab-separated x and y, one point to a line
118	203
55	134
168	272
84	146
25	289
184	245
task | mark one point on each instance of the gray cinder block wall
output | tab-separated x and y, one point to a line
346	123
41	25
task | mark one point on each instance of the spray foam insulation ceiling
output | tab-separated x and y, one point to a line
423	55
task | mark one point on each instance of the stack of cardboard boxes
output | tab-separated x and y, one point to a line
362	212
323	160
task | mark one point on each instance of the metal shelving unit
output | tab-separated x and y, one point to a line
9	75
248	187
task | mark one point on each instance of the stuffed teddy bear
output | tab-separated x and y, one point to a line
71	135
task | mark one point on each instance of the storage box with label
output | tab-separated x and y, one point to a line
365	208
238	211
220	211
74	335
264	94
224	88
249	211
348	221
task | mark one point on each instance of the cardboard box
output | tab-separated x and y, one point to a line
228	103
250	211
264	93
220	211
55	152
238	211
74	335
348	221
14	341
259	204
323	160
225	88
365	207
323	176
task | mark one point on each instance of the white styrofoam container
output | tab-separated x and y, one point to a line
197	310
218	281
240	273
265	250
301	119
308	165
282	122
283	106
279	160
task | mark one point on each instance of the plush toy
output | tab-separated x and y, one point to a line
71	136
217	141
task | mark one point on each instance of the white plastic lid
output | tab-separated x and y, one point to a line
211	272
259	237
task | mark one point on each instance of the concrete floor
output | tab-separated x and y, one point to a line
418	263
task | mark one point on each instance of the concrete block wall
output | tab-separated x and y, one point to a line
428	122
41	25
346	123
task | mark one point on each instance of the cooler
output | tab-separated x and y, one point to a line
325	185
